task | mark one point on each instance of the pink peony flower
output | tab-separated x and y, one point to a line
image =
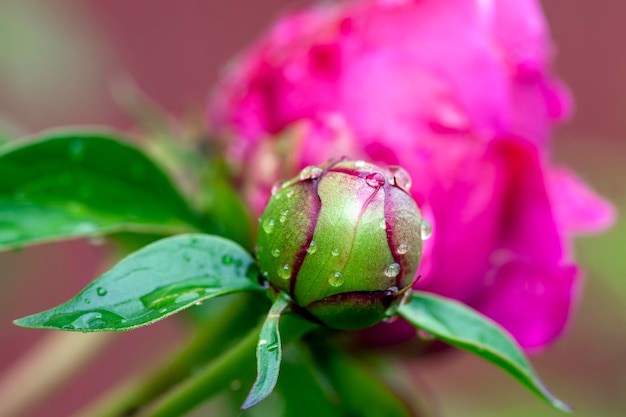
460	93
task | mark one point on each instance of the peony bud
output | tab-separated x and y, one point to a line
343	240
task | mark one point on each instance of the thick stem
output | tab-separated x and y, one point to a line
237	362
129	397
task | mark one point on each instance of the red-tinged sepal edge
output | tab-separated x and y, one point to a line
460	326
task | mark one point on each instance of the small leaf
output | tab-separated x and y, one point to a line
155	282
460	326
268	354
84	184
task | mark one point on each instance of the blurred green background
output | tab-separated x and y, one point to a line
58	60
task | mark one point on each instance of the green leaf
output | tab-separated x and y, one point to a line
304	391
359	391
153	283
84	184
223	211
268	353
460	326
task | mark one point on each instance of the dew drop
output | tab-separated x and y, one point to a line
268	225
392	270
312	247
101	291
290	193
426	230
402	249
283	216
375	180
227	259
284	272
272	347
87	301
85	228
382	223
336	279
424	335
262	342
77	150
276	252
359	163
335	252
401	178
277	187
97	241
92	320
310	173
163	310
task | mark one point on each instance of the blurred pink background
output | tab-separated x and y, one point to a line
57	60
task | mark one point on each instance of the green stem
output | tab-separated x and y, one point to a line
127	398
237	362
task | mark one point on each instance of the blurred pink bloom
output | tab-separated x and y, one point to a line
460	93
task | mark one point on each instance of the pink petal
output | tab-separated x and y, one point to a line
578	209
531	300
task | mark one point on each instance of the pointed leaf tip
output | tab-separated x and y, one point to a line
463	327
269	354
155	282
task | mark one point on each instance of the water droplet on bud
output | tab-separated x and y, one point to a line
290	193
359	164
375	180
77	150
392	270
336	279
312	247
424	335
227	259
310	173
283	216
101	291
382	223
276	252
277	187
401	178
402	249
284	272
426	230
335	252
268	225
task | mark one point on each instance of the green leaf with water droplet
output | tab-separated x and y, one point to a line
157	281
460	326
66	185
268	353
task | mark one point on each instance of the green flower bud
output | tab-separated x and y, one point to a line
343	240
